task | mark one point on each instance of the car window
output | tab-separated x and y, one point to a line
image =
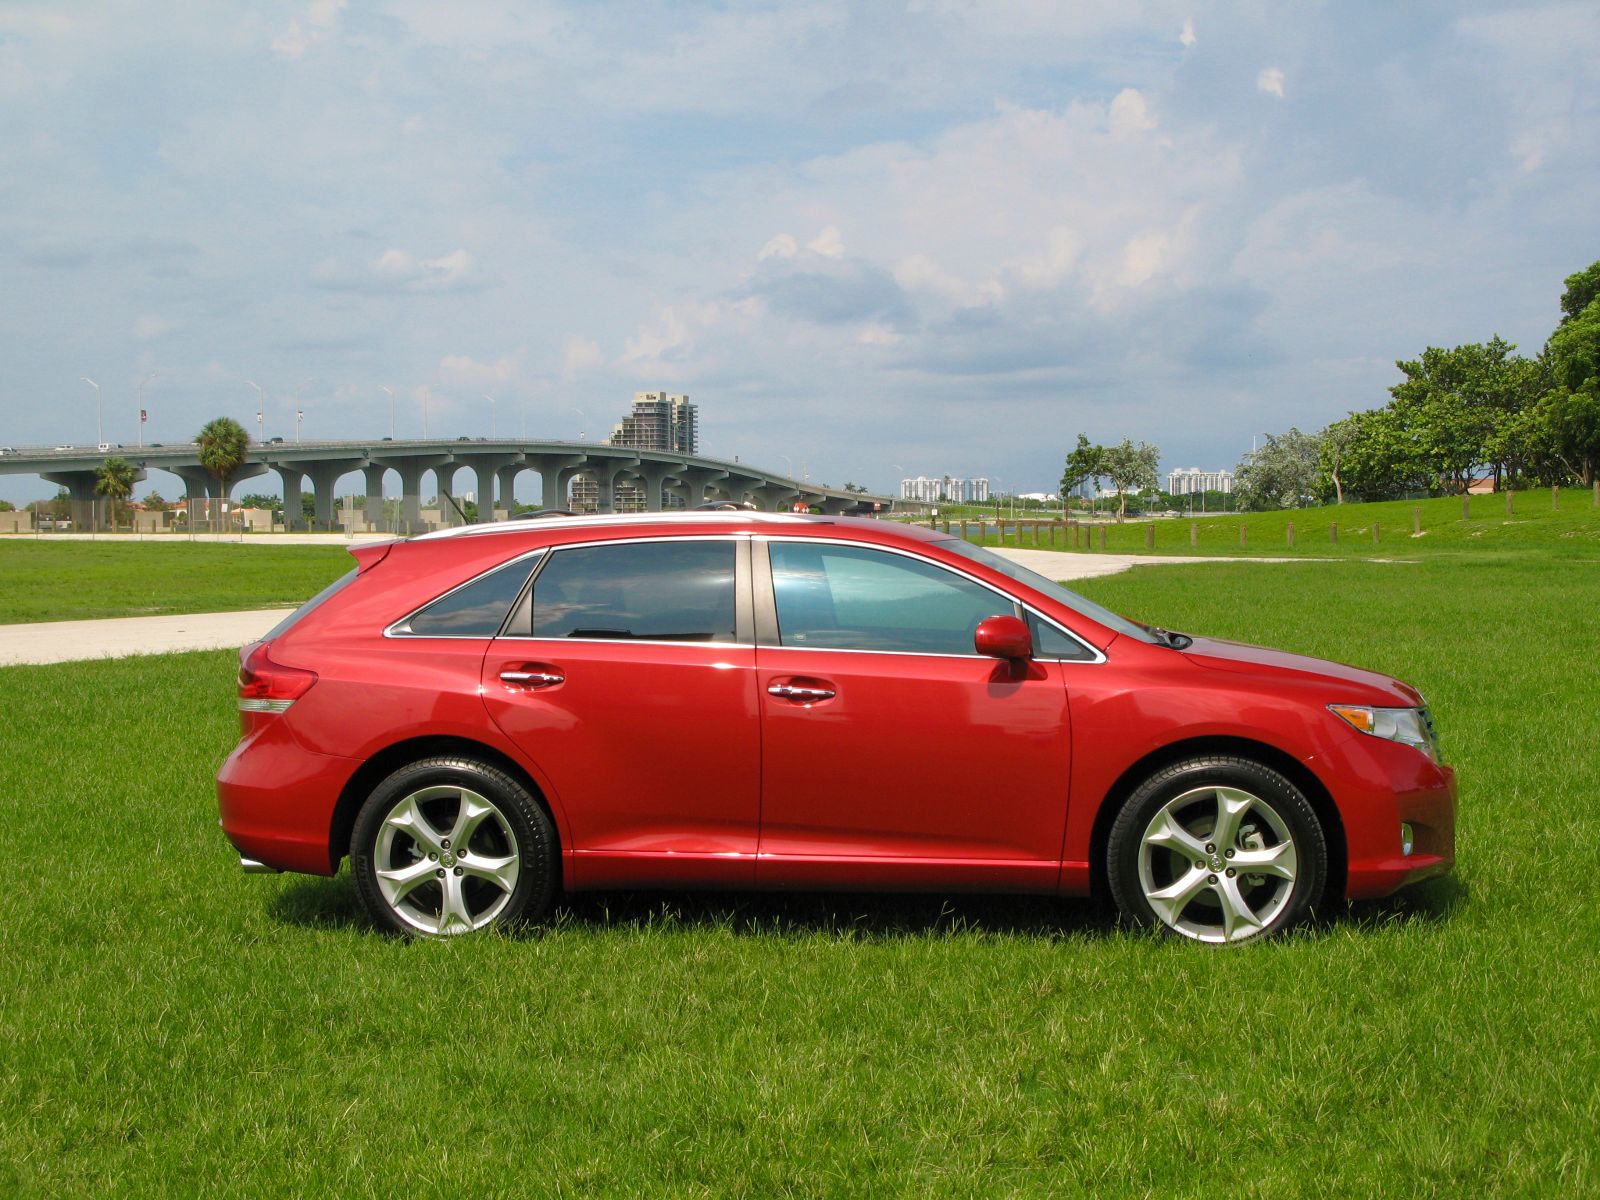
673	591
1050	642
1049	587
476	609
853	598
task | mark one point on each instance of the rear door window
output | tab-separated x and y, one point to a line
666	591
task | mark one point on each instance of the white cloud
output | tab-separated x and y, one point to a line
469	372
579	355
1270	81
828	243
397	270
1129	114
781	246
149	327
1187	36
320	17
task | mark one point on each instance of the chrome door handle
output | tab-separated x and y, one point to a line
790	691
532	679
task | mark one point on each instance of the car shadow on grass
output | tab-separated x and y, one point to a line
321	903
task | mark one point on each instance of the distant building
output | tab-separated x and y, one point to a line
1186	481
945	488
658	422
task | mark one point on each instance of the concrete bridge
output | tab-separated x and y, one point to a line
495	464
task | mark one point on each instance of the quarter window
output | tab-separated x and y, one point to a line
680	591
850	598
476	609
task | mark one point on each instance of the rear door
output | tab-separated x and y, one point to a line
893	754
628	678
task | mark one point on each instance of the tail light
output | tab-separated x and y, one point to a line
269	687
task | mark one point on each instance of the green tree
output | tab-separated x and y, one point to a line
1129	468
1456	401
156	502
1281	474
1582	289
7	506
1570	411
1086	464
223	445
114	480
1335	443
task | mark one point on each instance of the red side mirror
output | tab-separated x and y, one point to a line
1003	637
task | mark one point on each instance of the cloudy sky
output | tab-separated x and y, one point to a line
869	239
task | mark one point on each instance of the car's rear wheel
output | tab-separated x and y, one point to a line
1218	850
449	845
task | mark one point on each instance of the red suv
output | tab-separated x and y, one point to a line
484	716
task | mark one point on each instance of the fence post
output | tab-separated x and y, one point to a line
1466	505
1597	493
1150	536
1510	509
1102	537
1555	498
1288	533
1194	534
1333	533
1375	533
1416	519
947	526
1241	534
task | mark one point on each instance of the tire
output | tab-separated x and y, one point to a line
1168	868
449	845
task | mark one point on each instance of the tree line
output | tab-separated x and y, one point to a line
1458	415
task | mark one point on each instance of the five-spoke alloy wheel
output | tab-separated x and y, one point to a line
1217	849
449	845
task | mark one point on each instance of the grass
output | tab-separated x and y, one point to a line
1567	524
169	1026
72	580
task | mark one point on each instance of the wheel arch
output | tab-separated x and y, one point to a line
1287	765
391	758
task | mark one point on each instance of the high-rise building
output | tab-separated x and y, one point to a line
1187	481
945	488
658	422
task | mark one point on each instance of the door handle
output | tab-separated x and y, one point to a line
799	693
532	679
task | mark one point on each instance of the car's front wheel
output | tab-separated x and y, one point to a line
448	845
1218	850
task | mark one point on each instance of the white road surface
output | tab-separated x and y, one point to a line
68	641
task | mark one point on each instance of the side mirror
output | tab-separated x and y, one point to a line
1003	637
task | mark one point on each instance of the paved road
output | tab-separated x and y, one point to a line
67	641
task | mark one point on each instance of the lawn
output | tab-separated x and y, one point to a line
70	580
1566	523
170	1026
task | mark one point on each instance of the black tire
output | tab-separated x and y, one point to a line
414	880
1167	868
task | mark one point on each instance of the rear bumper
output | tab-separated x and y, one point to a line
1385	785
277	799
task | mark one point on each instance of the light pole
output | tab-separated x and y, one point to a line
261	412
299	413
99	414
390	392
583	420
494	429
142	382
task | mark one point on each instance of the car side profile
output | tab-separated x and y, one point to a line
483	717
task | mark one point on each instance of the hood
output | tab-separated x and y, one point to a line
1219	655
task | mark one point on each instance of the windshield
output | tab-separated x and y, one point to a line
1049	587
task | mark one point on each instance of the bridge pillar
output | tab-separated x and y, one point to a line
294	516
374	507
80	485
325	475
486	469
506	488
555	476
697	483
771	497
653	475
444	484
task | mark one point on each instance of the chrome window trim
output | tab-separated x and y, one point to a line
743	620
770	609
400	628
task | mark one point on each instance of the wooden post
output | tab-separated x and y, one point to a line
1375	533
1001	525
1466	505
1597	493
1241	534
947	526
1555	498
1333	533
983	531
1510	508
1102	537
1150	536
1288	534
963	531
1194	534
1416	519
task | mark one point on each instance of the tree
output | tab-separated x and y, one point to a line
113	479
1282	474
7	506
855	487
223	445
156	502
1336	441
1086	464
1582	289
1129	468
1570	410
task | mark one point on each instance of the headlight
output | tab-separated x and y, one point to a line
1408	726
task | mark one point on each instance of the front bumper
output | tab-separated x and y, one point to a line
1379	785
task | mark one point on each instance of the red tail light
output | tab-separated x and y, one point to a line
269	687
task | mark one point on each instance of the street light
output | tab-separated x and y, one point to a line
261	412
494	429
99	415
299	413
583	419
390	392
142	382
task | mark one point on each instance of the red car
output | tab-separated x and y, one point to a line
482	717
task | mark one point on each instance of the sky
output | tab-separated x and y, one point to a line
870	239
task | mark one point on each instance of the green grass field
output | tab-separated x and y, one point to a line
71	580
1567	524
169	1026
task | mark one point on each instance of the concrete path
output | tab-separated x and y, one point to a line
67	641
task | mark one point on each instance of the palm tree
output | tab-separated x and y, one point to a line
113	479
223	445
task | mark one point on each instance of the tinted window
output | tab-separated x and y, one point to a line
850	598
1049	587
678	591
1050	642
477	609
